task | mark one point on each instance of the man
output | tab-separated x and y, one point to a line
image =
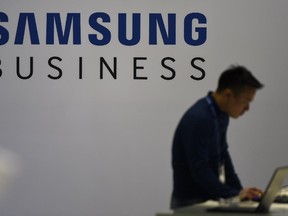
200	150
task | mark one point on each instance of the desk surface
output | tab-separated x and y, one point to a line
200	210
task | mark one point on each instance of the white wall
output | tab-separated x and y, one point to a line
102	147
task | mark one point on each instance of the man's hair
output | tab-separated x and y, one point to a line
237	78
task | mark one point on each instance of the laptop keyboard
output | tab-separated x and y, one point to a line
281	199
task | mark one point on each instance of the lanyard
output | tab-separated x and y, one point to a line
216	122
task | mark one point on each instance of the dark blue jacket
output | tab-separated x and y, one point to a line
199	148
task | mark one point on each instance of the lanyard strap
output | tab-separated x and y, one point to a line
216	122
212	108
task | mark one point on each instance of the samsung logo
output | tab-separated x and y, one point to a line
161	27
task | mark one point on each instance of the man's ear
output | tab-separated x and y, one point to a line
227	93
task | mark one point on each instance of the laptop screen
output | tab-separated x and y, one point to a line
273	188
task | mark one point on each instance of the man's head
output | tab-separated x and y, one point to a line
236	89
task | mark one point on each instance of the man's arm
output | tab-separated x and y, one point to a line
197	143
231	178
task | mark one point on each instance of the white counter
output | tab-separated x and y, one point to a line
201	209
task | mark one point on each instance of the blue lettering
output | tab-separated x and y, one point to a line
30	18
188	29
0	69
54	18
106	35
129	31
168	38
122	26
4	34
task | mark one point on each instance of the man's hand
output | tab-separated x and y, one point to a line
251	194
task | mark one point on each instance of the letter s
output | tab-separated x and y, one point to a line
93	38
4	34
55	67
198	68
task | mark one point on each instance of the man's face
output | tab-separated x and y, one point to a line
238	104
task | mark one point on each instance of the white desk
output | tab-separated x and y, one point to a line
200	210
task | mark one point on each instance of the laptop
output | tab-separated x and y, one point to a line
268	198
